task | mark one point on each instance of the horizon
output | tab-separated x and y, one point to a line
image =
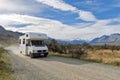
62	19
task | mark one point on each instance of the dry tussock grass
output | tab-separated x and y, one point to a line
103	56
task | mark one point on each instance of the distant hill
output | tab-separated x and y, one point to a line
68	41
109	39
7	37
1	28
72	41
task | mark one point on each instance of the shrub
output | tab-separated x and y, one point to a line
2	50
77	53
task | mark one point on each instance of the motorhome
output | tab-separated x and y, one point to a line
33	44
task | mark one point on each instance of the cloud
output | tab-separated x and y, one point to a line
58	4
61	5
56	29
19	6
53	28
91	28
23	7
87	16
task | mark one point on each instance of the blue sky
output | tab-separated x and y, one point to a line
62	19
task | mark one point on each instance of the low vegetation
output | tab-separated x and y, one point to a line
5	66
107	54
103	56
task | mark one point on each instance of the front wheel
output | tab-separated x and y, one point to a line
45	55
31	55
20	51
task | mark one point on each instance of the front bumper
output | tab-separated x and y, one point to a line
39	54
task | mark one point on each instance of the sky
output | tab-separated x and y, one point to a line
62	19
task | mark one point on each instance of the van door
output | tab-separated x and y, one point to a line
26	46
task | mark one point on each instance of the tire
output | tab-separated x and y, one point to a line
31	55
45	55
20	51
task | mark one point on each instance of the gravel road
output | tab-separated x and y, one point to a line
58	68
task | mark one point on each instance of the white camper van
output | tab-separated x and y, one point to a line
33	44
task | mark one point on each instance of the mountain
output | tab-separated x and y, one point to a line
108	39
1	28
72	41
68	41
7	37
6	34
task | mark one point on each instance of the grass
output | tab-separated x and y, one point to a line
103	56
99	56
5	66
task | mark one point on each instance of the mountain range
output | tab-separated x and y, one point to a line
105	39
108	39
12	37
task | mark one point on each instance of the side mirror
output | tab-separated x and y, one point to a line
26	44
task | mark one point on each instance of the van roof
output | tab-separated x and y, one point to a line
34	36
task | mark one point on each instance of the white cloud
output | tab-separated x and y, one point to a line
87	16
52	27
56	29
61	5
19	6
22	6
58	4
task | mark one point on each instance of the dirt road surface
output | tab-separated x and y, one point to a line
58	68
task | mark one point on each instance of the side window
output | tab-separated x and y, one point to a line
19	41
23	41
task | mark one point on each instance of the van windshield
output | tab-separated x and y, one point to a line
37	43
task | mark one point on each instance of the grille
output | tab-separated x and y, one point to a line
39	51
44	50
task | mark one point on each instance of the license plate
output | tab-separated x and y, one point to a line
42	54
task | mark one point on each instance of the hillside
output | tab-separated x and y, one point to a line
8	37
109	39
